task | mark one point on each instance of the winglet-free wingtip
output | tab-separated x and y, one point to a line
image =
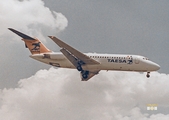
21	34
51	37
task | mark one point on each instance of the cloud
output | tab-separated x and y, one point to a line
30	14
59	94
33	18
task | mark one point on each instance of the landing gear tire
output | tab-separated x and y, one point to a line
85	74
148	74
79	68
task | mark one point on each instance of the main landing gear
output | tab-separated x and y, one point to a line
84	74
148	74
79	68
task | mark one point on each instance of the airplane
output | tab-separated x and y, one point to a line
88	64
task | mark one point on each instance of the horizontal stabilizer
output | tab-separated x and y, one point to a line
21	34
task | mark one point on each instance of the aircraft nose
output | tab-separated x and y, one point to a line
155	66
152	66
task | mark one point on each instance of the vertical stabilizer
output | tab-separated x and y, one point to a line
34	45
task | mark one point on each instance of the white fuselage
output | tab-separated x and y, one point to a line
87	64
107	62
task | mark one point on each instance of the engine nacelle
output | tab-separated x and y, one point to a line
54	56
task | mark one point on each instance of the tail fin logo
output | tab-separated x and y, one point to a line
36	46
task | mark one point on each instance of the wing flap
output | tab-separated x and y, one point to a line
70	57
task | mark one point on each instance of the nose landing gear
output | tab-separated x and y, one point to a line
148	74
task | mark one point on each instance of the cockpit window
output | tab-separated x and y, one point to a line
145	58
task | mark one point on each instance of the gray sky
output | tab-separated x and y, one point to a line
133	27
111	26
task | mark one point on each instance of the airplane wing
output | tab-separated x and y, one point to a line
77	58
74	52
85	74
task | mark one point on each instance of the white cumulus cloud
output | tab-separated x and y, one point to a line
59	94
33	18
30	15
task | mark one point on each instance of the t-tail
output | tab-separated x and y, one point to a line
34	45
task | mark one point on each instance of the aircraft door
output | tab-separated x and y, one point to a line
137	60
